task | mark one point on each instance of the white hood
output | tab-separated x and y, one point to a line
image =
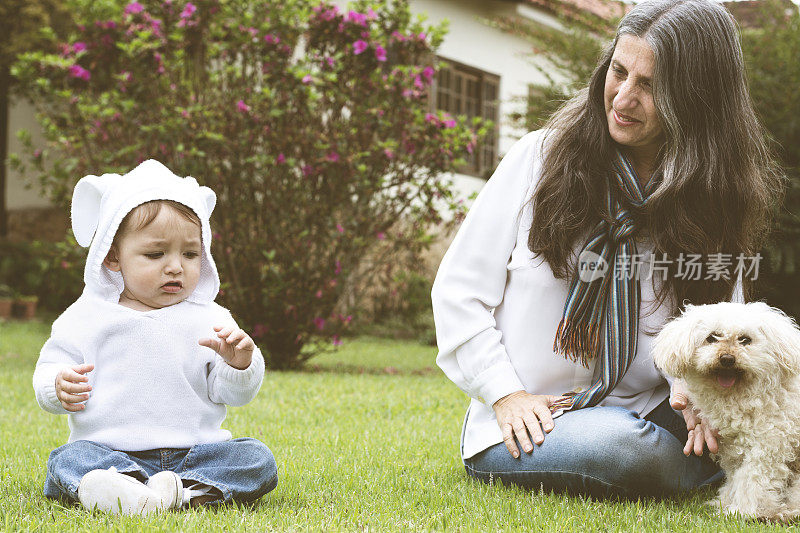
99	203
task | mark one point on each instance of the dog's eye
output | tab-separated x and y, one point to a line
744	340
711	338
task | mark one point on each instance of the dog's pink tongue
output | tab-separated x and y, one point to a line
726	381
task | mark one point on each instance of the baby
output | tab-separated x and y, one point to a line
144	361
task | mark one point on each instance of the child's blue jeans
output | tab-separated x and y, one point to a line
241	469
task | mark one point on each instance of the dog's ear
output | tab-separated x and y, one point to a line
675	344
782	334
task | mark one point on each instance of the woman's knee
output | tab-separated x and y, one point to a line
600	451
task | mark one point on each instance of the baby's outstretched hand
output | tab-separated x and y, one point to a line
233	344
72	387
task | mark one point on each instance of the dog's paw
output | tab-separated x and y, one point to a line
787	515
714	504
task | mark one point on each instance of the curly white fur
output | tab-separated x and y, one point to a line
741	364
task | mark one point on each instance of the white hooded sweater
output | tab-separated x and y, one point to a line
153	385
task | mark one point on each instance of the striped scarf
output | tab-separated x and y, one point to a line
614	294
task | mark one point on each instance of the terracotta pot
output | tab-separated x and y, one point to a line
25	309
5	308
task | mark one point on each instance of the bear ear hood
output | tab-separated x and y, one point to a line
99	203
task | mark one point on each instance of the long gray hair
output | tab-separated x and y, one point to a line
718	180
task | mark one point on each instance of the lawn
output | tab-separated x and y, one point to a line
366	439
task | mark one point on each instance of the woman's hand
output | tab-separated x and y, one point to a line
521	413
700	433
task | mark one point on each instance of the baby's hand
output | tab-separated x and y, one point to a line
234	345
72	387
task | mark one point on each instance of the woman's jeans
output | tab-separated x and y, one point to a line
603	451
241	469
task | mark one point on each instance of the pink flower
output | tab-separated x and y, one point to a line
381	236
421	36
338	267
329	14
133	8
281	158
380	53
359	46
388	153
319	322
357	18
188	11
159	59
244	108
64	265
398	36
185	114
319	294
348	319
339	228
272	39
78	47
430	117
336	340
307	79
38	153
77	71
330	61
333	157
449	123
371	15
428	72
307	170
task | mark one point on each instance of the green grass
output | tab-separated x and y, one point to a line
365	440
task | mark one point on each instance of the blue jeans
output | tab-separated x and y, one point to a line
603	451
240	469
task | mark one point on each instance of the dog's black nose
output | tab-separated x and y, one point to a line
727	360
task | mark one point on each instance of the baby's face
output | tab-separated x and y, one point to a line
160	263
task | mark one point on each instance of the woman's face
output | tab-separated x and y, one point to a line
630	109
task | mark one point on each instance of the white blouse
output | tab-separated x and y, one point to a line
497	307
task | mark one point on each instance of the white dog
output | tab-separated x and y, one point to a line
741	365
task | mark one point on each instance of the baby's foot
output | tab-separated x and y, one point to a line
110	491
169	487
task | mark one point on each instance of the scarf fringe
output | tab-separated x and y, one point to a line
577	343
564	403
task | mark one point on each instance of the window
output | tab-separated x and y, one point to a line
463	90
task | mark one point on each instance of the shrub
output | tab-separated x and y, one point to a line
53	272
311	124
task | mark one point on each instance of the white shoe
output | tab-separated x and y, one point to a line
110	491
169	486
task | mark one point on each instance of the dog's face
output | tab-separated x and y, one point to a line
729	345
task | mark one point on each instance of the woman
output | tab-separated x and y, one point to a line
660	154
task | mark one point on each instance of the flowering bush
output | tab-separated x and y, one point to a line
51	271
312	125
